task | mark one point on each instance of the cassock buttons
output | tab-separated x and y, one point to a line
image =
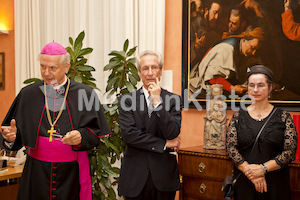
53	185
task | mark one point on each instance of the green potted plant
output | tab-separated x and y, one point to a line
122	79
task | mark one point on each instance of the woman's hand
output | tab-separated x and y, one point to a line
254	171
260	184
256	175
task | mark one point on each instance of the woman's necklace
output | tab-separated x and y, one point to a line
259	117
51	131
261	114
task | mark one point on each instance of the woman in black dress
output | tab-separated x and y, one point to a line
265	174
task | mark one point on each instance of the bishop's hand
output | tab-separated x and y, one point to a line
72	138
9	132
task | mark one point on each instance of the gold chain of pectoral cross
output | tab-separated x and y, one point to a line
52	130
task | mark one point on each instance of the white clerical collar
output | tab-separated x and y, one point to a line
63	83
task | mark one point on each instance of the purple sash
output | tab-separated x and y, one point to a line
56	151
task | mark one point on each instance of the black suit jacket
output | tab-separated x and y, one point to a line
145	139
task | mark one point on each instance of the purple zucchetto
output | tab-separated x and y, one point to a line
53	48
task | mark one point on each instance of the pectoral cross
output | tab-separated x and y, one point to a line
51	131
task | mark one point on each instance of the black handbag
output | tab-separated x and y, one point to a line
229	181
228	187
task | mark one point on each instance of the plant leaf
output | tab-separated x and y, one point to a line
79	39
120	68
111	193
85	68
91	84
111	65
85	51
132	60
81	62
110	172
31	80
125	47
71	41
105	182
78	79
129	86
111	93
132	67
116	170
78	44
115	59
69	50
133	81
110	82
131	51
119	54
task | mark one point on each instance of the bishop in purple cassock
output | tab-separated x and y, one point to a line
51	119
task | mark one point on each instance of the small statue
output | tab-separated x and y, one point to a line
215	120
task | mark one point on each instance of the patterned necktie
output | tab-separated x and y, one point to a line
150	107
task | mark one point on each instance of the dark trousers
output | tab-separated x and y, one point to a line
150	192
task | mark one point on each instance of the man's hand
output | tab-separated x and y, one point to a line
253	5
72	138
238	89
287	4
173	144
9	132
154	91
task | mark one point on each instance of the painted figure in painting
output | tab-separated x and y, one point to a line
225	62
204	27
289	27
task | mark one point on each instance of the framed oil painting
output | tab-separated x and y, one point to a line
222	39
2	71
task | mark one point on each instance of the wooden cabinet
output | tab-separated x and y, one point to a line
203	171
